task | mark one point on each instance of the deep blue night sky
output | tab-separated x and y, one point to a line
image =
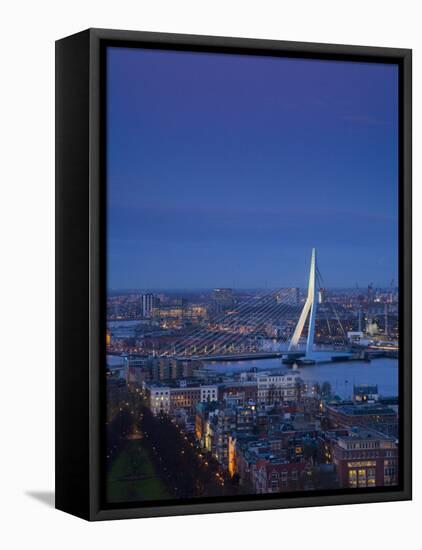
224	170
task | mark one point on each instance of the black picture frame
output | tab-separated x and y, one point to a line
80	268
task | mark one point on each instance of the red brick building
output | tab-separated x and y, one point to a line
373	416
245	391
274	477
365	458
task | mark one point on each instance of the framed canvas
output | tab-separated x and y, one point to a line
233	274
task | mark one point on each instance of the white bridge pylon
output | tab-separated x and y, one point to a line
310	306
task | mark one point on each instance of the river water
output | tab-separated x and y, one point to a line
342	376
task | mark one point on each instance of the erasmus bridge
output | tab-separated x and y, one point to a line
243	331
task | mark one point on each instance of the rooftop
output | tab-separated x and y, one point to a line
364	409
361	433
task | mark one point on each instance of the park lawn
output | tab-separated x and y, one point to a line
132	476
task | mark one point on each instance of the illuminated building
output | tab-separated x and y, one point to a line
242	392
147	301
277	388
170	311
184	395
365	458
185	398
246	418
197	311
355	337
372	328
208	393
267	469
365	393
203	431
322	295
232	455
159	399
224	427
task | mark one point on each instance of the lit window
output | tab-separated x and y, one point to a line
352	478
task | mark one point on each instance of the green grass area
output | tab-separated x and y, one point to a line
132	476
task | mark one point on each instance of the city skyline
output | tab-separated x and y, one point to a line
225	394
357	290
227	170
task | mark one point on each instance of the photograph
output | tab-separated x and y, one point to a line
253	286
211	231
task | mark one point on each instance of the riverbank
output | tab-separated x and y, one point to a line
341	375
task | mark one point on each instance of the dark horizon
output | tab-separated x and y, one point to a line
225	170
